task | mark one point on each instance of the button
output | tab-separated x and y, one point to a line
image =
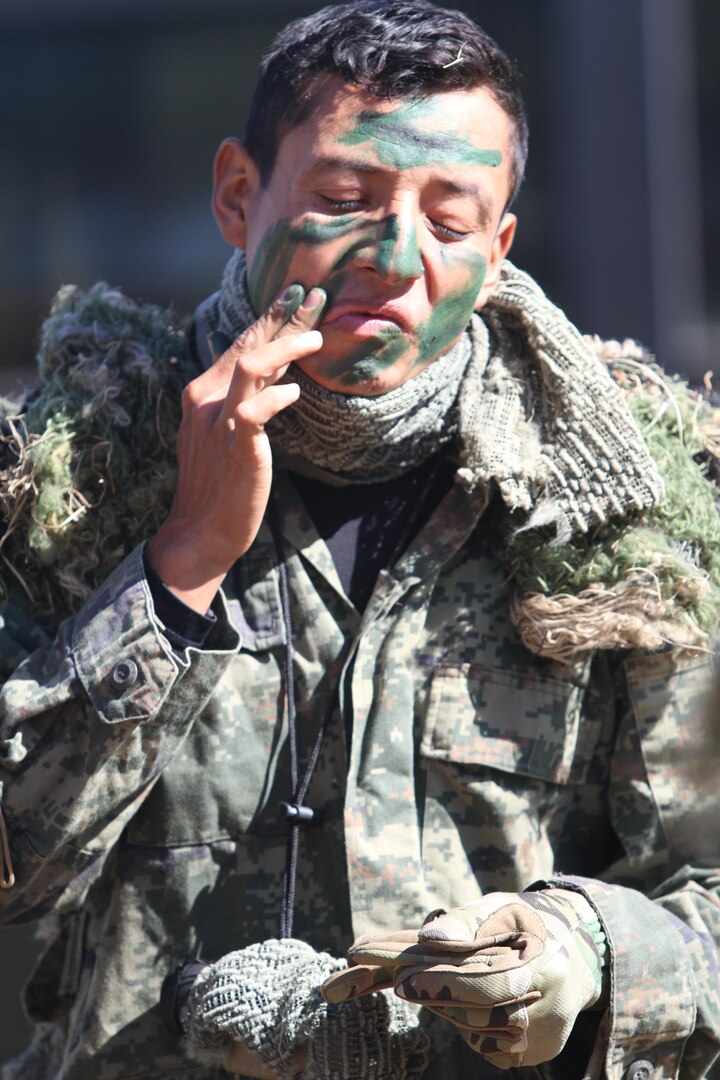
640	1070
124	674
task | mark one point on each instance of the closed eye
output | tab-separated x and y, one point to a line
446	231
344	206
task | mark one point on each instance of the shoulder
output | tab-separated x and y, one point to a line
649	581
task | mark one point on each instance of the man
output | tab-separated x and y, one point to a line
302	713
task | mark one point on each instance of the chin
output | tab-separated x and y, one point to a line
355	381
365	375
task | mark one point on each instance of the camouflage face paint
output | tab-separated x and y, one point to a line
371	356
272	259
451	314
398	143
391	249
398	252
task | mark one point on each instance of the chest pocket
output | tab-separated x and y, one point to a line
502	754
521	723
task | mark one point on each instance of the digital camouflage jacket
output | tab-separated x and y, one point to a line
141	787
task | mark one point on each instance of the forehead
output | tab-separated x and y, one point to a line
450	129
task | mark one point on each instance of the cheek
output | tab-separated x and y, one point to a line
269	264
451	314
308	253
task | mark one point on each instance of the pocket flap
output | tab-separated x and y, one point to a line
517	722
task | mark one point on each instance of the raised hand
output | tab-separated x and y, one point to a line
224	458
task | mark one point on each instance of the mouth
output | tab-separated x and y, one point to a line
358	317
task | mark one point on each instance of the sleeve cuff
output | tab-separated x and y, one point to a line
122	657
652	994
183	627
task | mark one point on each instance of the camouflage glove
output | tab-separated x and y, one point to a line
267	997
512	971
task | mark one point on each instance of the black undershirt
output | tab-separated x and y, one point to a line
368	526
365	526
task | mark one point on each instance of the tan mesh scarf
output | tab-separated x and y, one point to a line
522	397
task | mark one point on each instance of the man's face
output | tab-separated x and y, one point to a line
394	208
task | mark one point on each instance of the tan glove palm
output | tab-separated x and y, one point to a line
511	971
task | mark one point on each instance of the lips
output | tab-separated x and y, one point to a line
350	312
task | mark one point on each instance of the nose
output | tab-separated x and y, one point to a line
396	254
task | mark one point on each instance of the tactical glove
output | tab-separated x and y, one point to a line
267	997
511	971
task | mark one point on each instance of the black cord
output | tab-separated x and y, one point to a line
296	812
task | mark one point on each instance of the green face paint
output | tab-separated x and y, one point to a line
272	259
451	314
391	250
392	246
400	144
398	252
370	356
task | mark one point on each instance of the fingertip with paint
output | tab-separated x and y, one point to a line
291	298
315	299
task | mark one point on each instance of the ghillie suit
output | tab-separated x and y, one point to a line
645	583
89	470
88	456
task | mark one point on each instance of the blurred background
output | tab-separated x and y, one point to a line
112	111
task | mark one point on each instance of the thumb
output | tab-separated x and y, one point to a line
354	982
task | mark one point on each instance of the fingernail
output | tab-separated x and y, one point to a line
292	292
314	299
218	343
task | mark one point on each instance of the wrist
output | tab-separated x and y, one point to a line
187	566
594	944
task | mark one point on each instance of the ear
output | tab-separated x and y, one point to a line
500	247
235	182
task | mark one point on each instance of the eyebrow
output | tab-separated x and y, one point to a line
452	187
326	164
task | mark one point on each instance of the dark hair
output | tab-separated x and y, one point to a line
390	48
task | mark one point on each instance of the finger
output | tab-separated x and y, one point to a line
513	933
246	376
225	351
260	409
291	313
399	949
507	1021
253	373
272	320
505	1051
467	987
354	982
307	315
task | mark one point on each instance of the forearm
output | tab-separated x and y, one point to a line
663	923
664	991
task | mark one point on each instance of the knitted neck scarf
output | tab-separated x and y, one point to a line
522	397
